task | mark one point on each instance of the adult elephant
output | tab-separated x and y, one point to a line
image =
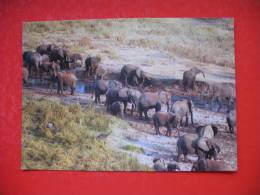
208	131
131	74
183	108
66	78
92	64
231	120
123	95
43	49
32	61
222	93
101	87
189	78
59	54
167	119
146	101
76	60
193	144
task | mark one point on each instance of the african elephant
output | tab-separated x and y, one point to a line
25	75
183	108
59	54
101	87
231	120
32	61
100	73
117	108
146	101
208	131
66	78
131	74
193	144
189	78
76	60
208	165
123	95
92	64
43	49
222	92
166	119
161	165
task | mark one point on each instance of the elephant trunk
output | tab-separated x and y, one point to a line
190	109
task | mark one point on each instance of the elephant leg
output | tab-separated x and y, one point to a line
95	97
219	104
125	105
187	120
186	158
201	154
132	109
181	122
72	91
146	115
179	154
140	115
168	132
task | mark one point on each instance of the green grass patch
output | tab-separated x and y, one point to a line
71	142
133	148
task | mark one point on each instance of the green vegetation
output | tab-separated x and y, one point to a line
57	137
133	148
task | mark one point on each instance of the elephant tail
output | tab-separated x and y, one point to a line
190	109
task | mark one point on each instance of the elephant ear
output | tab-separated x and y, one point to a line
202	144
139	72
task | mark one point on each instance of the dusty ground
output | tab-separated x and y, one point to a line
141	134
164	49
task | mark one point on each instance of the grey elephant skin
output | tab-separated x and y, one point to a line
131	74
148	101
193	144
183	108
189	78
101	87
167	119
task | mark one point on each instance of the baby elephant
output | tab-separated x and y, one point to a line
117	108
208	165
66	78
166	119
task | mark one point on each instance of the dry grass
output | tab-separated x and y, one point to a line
72	143
203	40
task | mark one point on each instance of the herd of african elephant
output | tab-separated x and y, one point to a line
57	64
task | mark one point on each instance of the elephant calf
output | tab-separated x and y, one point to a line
92	64
166	119
161	165
193	144
183	108
66	78
117	108
208	165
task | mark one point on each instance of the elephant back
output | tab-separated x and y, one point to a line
149	99
206	132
